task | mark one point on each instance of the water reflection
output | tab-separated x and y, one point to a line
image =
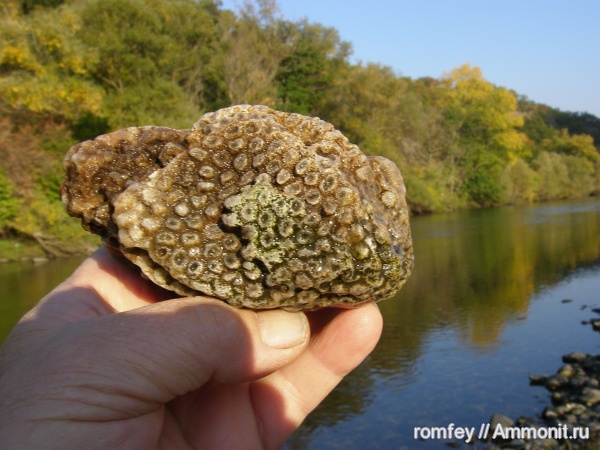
23	284
476	274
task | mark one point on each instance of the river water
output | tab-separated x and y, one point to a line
495	295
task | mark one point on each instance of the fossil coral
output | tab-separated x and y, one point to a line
260	208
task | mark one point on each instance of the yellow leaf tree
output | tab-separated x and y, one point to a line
44	66
487	126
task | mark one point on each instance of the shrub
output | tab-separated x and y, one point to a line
520	183
9	204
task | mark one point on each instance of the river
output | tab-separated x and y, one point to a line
495	295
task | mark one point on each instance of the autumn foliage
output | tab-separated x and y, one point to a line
70	70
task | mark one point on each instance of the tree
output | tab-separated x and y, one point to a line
519	183
482	112
30	5
553	174
487	128
575	145
305	76
9	204
153	57
44	67
255	45
483	171
581	176
575	123
365	104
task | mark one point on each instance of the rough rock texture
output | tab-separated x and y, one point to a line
260	208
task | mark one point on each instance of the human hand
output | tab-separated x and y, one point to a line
101	362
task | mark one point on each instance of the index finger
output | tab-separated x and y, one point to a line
101	285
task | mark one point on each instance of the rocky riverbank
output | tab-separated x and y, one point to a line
42	248
572	421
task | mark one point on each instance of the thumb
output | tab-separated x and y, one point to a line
123	364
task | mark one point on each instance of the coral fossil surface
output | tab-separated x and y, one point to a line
260	208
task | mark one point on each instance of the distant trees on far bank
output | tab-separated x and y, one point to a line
73	69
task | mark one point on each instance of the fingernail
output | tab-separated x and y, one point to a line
282	329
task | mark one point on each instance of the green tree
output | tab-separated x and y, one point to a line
485	126
581	176
553	174
29	5
575	145
575	122
255	45
520	183
536	130
306	75
9	204
153	57
483	172
365	104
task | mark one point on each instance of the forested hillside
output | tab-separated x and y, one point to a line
73	69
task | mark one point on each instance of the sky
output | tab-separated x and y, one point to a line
546	50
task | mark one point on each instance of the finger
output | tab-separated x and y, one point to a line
341	345
101	285
117	281
148	356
